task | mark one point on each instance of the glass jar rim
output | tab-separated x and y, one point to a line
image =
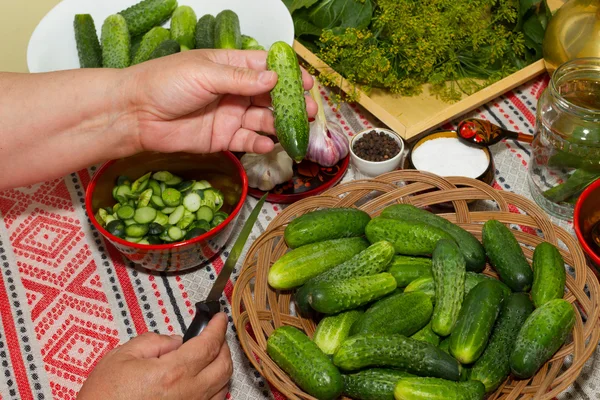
561	75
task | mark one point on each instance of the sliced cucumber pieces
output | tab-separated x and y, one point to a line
171	197
144	215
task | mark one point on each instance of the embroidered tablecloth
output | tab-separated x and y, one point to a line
67	297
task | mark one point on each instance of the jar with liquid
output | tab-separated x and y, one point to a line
566	149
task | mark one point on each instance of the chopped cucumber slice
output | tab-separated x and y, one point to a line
186	221
165	236
144	215
102	214
109	210
123	180
163	186
155	229
171	197
201	185
161	218
99	219
192	202
122	191
175	180
175	233
132	239
195	232
205	213
155	186
154	240
136	186
202	224
144	198
116	228
218	218
114	193
136	230
116	207
162	176
130	221
168	210
126	212
216	196
109	219
176	215
185	186
157	201
144	241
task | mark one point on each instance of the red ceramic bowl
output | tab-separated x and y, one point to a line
587	214
223	170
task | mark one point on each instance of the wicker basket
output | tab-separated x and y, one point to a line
258	309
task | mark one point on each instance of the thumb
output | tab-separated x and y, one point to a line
227	79
151	345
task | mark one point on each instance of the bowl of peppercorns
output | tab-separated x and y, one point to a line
376	151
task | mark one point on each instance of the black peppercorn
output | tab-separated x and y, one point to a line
376	146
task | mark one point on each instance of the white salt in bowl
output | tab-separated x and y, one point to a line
374	168
443	154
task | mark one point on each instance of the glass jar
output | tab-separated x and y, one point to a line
566	148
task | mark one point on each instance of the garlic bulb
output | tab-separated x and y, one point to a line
327	143
265	171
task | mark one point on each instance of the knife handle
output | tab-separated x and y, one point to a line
205	310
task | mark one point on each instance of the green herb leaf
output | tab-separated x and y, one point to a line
294	5
328	14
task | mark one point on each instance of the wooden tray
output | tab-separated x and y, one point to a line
415	115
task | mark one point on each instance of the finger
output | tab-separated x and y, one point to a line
226	79
200	351
307	79
254	59
311	107
218	373
259	119
222	394
265	101
245	140
150	345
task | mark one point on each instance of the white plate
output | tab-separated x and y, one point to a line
52	45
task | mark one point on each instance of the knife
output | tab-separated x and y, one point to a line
206	309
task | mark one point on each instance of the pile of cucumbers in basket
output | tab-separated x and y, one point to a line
161	207
136	34
405	311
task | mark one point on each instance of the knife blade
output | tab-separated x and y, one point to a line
206	309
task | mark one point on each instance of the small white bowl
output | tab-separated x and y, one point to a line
374	168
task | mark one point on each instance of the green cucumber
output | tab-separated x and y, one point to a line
227	31
542	334
333	330
205	32
396	351
116	43
150	42
493	366
468	244
336	296
445	345
166	48
373	384
183	27
475	322
426	334
305	363
136	42
410	311
411	238
506	256
472	279
438	389
299	265
370	261
289	104
249	43
549	276
406	269
325	224
449	281
424	285
88	45
147	14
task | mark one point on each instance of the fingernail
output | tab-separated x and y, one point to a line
266	77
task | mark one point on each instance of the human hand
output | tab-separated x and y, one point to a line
206	101
154	366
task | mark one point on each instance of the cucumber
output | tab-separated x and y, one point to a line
396	351
205	32
136	42
549	276
249	43
289	105
183	27
326	224
475	322
227	31
150	42
493	366
445	345
424	285
166	48
472	279
542	334
116	44
147	14
88	45
333	330
437	389
373	384
299	265
426	334
410	311
411	238
370	261
406	269
468	244
305	363
449	281
506	256
336	296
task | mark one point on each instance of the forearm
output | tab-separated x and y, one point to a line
54	124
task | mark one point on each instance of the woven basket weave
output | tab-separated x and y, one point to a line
258	309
